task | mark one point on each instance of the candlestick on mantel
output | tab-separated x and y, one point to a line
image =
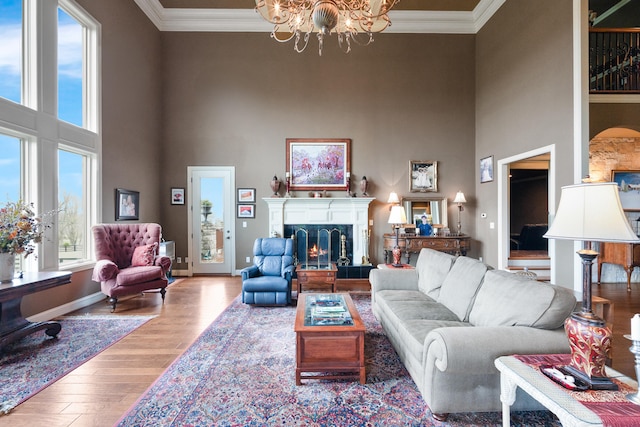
635	327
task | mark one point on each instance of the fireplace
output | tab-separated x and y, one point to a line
317	245
326	212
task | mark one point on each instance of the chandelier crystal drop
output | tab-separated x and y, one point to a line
351	20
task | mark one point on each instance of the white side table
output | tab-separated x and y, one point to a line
570	412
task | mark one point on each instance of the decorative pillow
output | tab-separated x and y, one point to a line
144	255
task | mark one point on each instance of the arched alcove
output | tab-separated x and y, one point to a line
616	148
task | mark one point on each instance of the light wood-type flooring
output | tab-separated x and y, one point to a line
99	392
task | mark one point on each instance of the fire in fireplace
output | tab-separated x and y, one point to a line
319	245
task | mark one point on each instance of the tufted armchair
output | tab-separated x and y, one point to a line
268	280
127	260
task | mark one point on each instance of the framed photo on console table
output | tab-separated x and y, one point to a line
318	164
423	176
628	188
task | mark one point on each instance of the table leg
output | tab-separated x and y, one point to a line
507	397
13	326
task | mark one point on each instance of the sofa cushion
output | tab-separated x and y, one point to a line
414	332
461	285
432	267
409	305
506	299
137	275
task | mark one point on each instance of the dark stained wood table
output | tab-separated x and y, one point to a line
13	325
309	273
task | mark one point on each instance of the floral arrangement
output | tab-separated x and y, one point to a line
20	228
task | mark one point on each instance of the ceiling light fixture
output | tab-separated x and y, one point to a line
351	20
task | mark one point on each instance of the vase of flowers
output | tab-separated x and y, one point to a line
20	230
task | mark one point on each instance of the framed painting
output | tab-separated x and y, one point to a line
486	169
629	188
177	196
246	195
246	211
423	176
318	164
127	204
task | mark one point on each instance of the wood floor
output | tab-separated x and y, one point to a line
99	392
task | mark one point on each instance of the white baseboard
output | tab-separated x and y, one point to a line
67	308
180	273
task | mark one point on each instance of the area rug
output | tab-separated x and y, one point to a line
36	361
241	372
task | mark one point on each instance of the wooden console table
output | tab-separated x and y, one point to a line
306	274
13	325
456	245
625	254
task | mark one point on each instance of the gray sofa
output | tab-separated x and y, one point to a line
450	318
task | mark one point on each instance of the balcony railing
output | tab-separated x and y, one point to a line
614	60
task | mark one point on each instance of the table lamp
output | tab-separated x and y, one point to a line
459	199
590	212
397	218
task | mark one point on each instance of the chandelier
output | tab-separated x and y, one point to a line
351	20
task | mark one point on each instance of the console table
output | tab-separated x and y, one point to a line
13	325
456	245
625	254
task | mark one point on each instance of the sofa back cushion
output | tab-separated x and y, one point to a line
432	267
506	299
461	285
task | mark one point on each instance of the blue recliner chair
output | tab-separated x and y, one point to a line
268	281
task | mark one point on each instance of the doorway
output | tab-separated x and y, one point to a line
534	186
211	223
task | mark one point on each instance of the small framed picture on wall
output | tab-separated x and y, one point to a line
246	195
486	169
246	211
127	204
177	196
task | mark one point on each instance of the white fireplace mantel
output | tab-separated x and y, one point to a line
322	210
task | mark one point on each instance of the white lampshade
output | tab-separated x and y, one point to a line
459	198
393	198
398	215
591	212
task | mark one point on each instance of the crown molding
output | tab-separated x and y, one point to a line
247	20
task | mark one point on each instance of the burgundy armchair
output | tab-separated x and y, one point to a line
127	260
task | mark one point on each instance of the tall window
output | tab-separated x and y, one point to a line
9	168
70	78
28	145
11	50
72	203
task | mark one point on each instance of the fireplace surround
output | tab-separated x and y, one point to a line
353	211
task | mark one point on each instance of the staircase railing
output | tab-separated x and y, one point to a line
614	60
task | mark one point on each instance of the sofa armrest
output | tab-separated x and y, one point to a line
249	272
388	279
163	262
474	349
104	270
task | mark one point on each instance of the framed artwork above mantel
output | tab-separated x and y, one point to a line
318	164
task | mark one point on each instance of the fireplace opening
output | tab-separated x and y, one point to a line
317	246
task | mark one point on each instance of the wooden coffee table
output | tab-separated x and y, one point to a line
329	344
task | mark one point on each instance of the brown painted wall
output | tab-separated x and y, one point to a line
523	99
233	99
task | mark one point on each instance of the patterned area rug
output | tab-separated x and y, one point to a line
240	372
36	361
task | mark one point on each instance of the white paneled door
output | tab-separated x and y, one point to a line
211	225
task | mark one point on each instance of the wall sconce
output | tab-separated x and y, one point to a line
459	199
393	198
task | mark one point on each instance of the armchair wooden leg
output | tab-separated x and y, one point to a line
163	292
113	301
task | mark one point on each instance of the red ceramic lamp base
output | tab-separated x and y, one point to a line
397	255
590	342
